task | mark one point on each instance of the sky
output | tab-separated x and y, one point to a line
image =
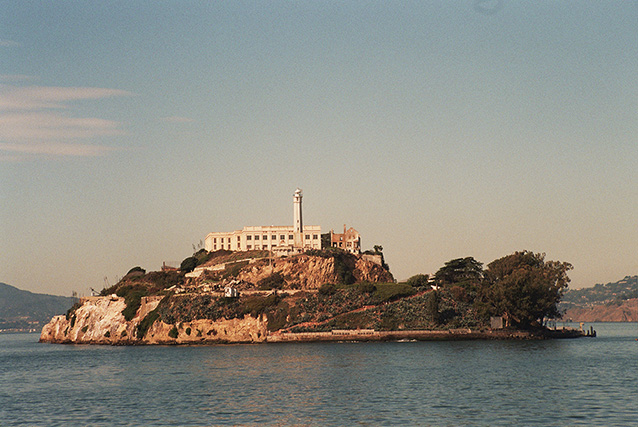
437	129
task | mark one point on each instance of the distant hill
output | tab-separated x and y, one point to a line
621	290
614	311
609	302
21	310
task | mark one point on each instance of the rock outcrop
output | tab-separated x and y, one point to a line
310	272
195	315
99	320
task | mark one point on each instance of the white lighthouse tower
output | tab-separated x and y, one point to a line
298	219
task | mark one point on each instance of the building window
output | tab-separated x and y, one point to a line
282	237
273	237
214	247
249	237
315	237
307	236
291	237
249	247
257	237
214	239
265	237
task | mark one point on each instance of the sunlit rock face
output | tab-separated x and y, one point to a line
310	272
100	321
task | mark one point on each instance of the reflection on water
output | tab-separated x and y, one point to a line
561	382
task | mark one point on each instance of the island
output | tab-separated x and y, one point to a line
328	294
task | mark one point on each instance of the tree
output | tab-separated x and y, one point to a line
524	288
136	271
432	307
188	264
419	281
459	270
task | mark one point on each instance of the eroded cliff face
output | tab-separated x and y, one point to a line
304	272
245	330
100	321
310	272
371	272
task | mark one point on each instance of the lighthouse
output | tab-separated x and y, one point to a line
298	219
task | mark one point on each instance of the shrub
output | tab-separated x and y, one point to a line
233	269
71	311
138	271
432	307
133	298
277	318
173	332
366	287
257	305
274	281
327	289
202	256
459	293
418	281
146	323
188	264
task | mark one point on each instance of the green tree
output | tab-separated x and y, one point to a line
459	270
524	288
136	271
419	281
188	264
432	307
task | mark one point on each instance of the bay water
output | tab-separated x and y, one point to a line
585	381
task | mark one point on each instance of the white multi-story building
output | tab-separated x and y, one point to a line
281	239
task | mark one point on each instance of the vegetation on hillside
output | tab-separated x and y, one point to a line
614	292
522	287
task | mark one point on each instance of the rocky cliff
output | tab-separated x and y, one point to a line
167	307
99	320
310	272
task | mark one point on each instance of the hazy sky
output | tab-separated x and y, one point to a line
441	129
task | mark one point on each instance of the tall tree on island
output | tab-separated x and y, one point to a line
524	288
459	270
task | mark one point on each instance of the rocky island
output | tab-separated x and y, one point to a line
329	294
